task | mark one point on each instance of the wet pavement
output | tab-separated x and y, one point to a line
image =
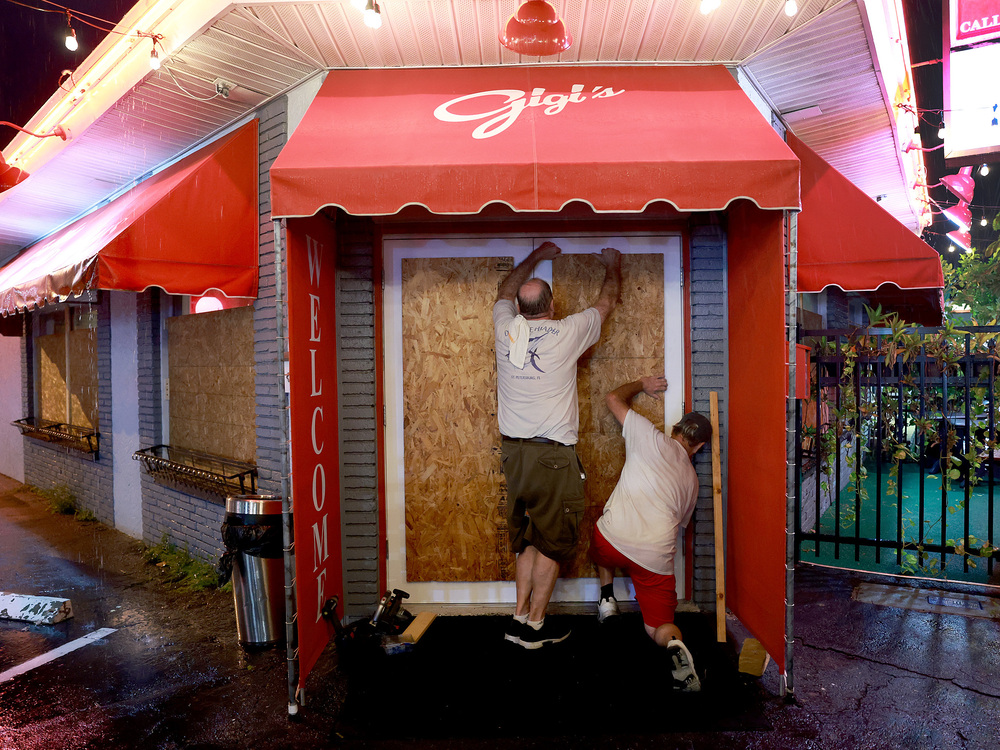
172	674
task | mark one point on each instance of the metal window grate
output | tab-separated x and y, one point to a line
202	471
67	435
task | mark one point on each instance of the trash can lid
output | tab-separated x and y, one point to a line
254	505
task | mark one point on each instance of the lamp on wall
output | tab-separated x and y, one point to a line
960	214
536	29
962	238
11	175
961	185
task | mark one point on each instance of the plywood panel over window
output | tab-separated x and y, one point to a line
211	370
455	500
67	385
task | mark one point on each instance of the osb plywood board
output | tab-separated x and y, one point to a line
212	395
83	378
453	480
455	495
52	376
631	345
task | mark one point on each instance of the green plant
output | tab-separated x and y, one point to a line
180	568
59	498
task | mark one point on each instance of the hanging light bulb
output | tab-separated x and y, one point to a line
373	15
71	43
154	59
951	248
942	132
791	8
984	170
983	222
707	6
359	4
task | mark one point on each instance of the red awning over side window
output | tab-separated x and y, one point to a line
846	239
191	228
535	138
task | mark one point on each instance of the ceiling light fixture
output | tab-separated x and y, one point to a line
373	15
960	215
791	8
536	29
962	238
71	43
960	185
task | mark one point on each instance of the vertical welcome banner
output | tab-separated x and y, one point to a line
312	352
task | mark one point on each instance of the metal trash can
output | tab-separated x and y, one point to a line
254	556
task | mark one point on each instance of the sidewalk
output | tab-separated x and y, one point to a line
174	676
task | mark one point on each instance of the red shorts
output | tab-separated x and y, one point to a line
656	594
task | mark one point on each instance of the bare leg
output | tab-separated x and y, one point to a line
544	574
522	579
664	634
605	575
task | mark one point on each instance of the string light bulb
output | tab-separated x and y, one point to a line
154	58
942	132
984	170
359	4
373	15
707	6
983	222
951	248
71	43
791	8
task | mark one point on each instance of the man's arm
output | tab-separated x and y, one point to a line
611	289
522	272
620	398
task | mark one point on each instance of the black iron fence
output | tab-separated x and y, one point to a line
898	461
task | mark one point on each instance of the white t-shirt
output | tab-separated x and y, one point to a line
540	399
654	497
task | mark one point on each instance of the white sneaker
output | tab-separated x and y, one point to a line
607	608
685	678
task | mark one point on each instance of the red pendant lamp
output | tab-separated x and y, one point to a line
10	176
961	185
536	29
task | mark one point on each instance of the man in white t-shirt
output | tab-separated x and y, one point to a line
539	420
637	531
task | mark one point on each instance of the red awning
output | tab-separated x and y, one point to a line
191	228
535	138
846	239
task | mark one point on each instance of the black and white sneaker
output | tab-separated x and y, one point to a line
548	633
682	668
515	629
607	608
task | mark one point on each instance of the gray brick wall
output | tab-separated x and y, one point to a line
271	399
46	465
709	372
357	416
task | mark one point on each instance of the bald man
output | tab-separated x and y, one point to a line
539	420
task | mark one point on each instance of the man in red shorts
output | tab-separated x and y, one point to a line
637	531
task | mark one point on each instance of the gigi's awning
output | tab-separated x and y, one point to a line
535	138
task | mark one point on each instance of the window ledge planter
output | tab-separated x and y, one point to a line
72	437
213	477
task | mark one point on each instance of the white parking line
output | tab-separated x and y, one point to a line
55	653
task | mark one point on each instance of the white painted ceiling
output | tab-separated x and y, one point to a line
820	58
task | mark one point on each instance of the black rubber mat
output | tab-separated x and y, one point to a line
464	680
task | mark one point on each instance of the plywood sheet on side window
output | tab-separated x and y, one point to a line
455	496
212	396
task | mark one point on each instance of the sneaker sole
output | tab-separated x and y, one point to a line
532	645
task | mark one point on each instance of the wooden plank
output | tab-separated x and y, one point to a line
416	629
42	610
720	562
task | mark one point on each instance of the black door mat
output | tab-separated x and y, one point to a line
464	680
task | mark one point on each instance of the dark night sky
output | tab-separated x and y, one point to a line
32	55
